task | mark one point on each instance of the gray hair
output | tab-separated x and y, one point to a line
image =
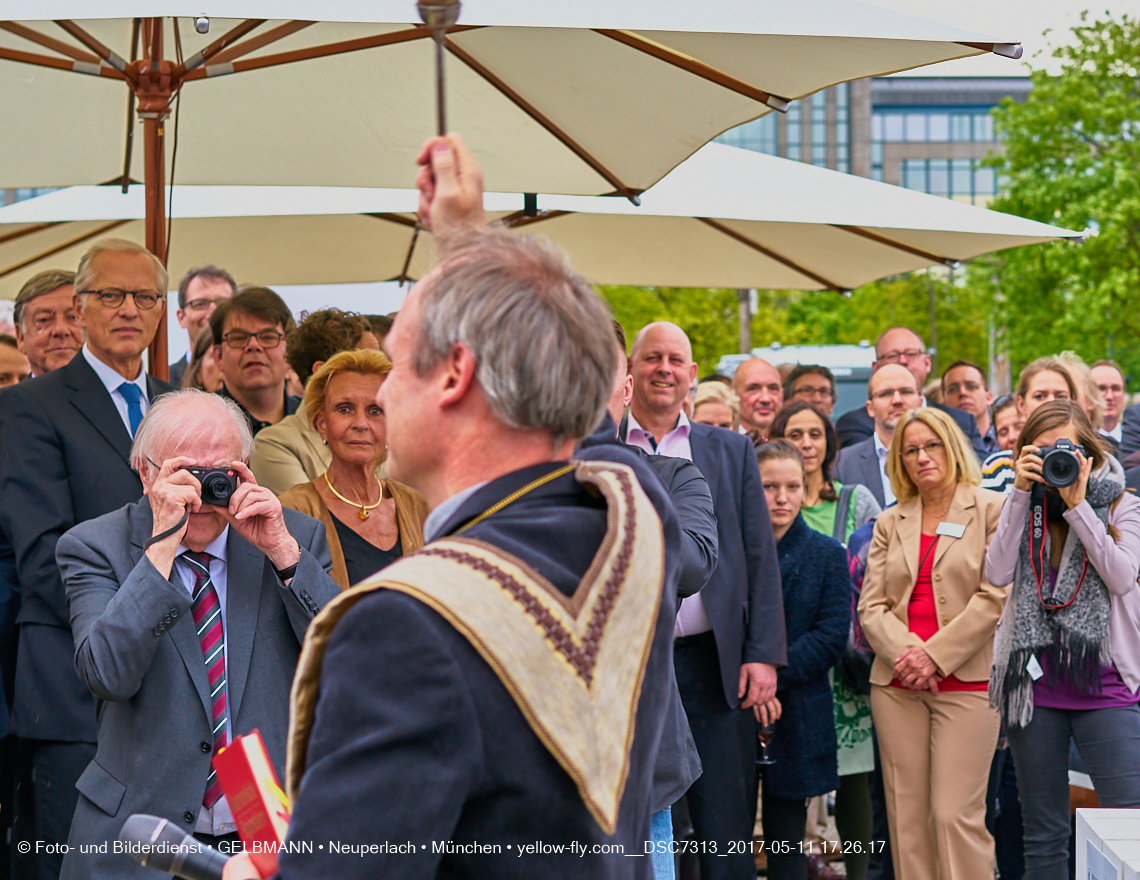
543	340
178	415
117	246
40	284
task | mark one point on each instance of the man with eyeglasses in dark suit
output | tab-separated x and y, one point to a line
67	438
249	348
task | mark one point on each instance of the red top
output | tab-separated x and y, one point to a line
922	614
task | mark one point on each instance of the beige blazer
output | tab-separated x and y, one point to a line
411	511
288	454
968	605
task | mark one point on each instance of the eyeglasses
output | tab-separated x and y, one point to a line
931	449
265	338
959	387
113	297
894	357
200	305
808	391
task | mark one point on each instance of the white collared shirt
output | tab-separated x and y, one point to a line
1116	433
112	380
675	443
881	451
217	820
691	616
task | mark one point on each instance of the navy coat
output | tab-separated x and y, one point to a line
415	739
817	611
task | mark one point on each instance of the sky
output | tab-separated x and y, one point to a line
1013	20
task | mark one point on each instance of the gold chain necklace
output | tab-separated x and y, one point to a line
364	508
515	496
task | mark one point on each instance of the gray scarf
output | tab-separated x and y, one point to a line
1070	643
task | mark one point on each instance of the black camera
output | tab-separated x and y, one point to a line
1060	466
218	484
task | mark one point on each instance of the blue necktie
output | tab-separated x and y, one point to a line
132	396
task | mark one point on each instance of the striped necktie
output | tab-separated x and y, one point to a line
207	610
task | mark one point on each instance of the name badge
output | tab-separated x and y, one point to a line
954	530
1034	668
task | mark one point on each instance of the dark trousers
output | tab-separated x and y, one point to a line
784	823
1003	817
54	769
1109	744
854	822
722	802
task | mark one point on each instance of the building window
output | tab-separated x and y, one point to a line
819	129
932	127
961	179
793	122
758	135
842	128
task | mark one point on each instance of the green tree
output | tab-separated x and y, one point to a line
1072	158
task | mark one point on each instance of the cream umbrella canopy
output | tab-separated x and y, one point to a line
576	96
726	217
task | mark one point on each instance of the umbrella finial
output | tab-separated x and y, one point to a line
439	15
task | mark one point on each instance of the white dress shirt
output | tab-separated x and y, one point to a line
112	380
217	820
1116	433
881	451
691	617
438	518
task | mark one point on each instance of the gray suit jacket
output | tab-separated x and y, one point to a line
138	653
859	464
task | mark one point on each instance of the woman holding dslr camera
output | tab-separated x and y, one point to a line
1067	653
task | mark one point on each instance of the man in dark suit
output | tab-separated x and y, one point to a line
199	292
890	393
730	637
901	345
188	620
66	438
416	737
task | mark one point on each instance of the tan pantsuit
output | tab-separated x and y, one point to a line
935	748
936	751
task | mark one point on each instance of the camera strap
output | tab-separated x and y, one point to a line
1038	528
171	531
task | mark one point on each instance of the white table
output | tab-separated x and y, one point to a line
1108	844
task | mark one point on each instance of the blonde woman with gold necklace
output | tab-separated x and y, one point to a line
370	522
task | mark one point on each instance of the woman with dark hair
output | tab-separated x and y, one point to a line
812	433
817	614
1067	653
806	428
203	371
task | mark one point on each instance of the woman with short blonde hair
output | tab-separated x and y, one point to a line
930	614
370	522
721	406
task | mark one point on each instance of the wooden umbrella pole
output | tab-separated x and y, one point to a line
155	90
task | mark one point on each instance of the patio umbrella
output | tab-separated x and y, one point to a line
575	96
726	217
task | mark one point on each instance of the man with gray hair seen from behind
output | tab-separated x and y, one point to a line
188	610
47	325
508	683
67	438
199	292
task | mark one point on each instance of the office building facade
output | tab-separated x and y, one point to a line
925	133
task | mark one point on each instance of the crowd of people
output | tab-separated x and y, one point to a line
903	605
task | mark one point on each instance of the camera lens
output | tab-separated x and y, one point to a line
1060	468
215	489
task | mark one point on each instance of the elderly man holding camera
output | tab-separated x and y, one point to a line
188	610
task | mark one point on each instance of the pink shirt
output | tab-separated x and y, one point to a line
691	617
1117	563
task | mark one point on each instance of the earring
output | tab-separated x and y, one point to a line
326	442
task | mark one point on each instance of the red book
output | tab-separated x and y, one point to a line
259	806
